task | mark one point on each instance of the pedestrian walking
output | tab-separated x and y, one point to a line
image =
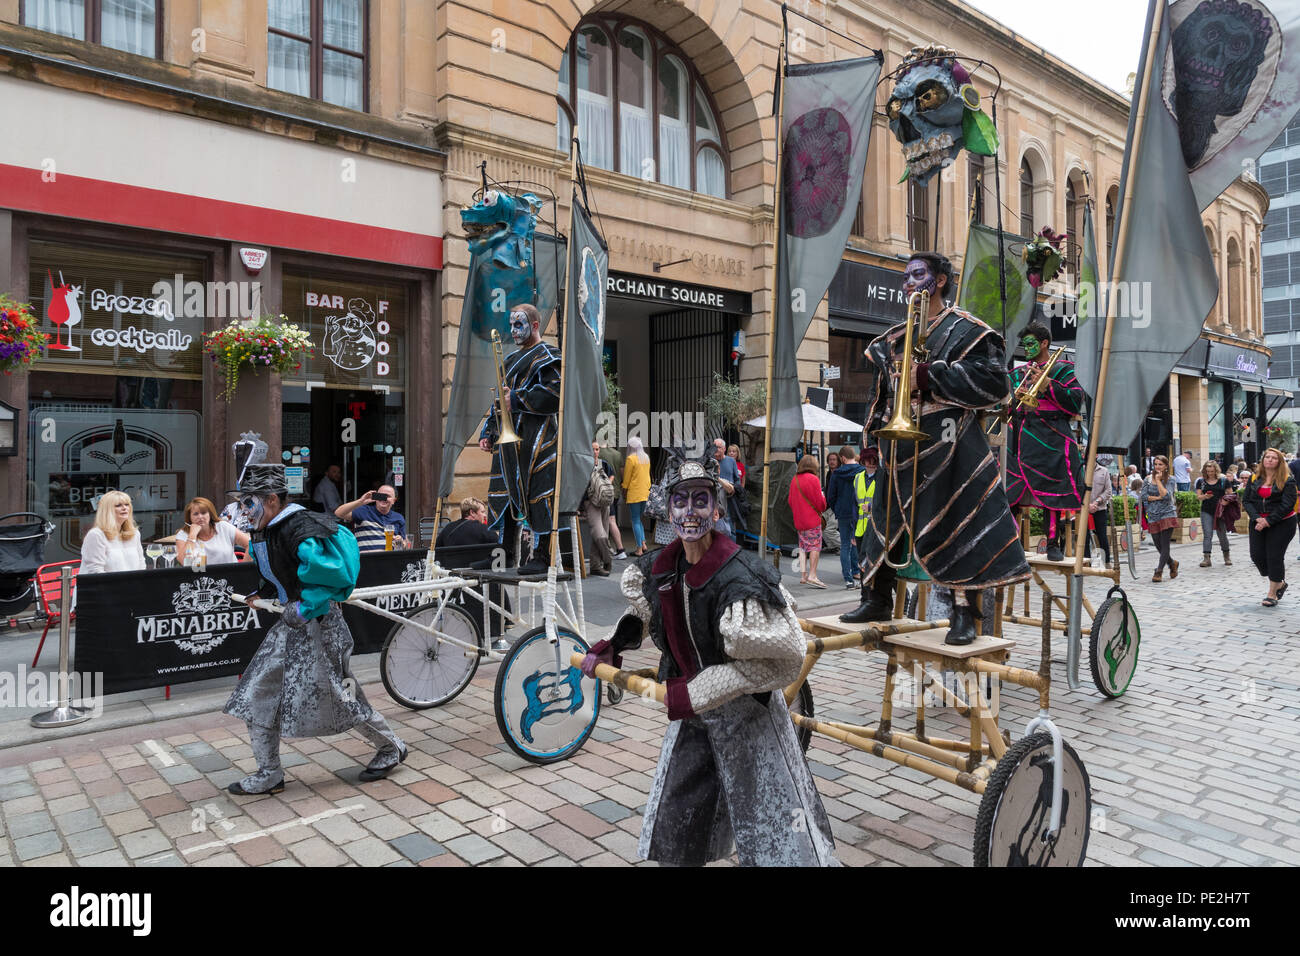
1161	514
842	500
113	544
1099	507
1183	471
832	465
1211	489
636	488
595	508
807	504
614	458
1270	500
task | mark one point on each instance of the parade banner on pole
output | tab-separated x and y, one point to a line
1163	282
981	292
826	127
584	349
505	274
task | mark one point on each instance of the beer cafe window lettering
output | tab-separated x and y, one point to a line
358	329
105	309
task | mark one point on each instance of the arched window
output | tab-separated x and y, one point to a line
1235	290
1026	199
1112	200
640	107
1073	228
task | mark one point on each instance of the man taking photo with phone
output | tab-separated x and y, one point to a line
373	515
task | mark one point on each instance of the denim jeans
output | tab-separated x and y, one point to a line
1207	532
1183	485
848	550
638	532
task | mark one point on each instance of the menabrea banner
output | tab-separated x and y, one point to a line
151	628
826	126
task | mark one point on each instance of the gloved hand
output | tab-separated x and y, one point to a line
602	652
678	699
293	614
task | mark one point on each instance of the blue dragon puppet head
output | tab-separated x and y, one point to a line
503	225
934	112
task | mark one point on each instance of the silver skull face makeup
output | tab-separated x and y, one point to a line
252	510
520	327
919	277
691	507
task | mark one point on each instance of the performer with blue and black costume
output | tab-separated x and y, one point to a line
523	474
299	683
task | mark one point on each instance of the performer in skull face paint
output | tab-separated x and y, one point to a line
299	683
523	474
964	536
1044	460
730	769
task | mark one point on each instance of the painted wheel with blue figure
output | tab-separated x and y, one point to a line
1113	644
545	713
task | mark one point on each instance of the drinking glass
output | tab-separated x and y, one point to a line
154	551
169	555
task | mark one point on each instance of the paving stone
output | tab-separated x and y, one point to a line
90	842
144	842
108	858
29	824
416	847
317	851
36	846
608	810
79	820
473	848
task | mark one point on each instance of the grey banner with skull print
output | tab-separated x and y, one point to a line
826	127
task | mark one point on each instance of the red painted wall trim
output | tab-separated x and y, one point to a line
78	197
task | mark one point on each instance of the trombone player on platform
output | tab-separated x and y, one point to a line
1044	460
523	470
939	497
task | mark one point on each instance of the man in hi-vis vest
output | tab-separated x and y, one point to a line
864	488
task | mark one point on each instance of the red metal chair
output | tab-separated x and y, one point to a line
49	588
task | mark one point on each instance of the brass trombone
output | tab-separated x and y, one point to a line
505	427
902	424
1027	396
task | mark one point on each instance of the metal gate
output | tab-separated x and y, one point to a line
686	347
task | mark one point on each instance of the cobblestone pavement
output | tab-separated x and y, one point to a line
1194	766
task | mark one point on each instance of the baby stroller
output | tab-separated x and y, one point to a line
22	551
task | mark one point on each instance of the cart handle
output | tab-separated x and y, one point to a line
274	606
641	686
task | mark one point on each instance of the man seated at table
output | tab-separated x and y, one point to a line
373	514
470	540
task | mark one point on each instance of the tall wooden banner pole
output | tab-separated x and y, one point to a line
559	425
1121	243
771	319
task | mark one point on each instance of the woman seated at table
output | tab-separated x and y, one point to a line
218	538
114	543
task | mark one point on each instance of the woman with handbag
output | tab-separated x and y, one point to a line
1161	515
1270	499
1214	490
807	504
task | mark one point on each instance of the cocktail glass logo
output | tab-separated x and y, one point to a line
63	309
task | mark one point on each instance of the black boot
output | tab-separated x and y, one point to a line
1054	550
877	599
962	629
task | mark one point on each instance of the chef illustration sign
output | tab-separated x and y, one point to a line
359	329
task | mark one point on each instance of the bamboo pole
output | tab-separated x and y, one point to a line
641	686
1121	247
771	319
429	559
559	426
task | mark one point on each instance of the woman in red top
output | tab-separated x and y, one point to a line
807	504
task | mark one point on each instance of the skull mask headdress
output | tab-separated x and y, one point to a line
934	112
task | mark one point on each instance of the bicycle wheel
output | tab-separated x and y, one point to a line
539	729
418	670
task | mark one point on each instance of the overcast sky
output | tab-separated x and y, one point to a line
1102	38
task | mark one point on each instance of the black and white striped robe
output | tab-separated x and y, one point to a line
965	535
523	475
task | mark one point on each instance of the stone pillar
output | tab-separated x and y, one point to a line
13	388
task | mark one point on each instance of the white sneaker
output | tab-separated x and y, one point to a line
621	556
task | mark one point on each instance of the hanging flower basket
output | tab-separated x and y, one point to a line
20	342
265	343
